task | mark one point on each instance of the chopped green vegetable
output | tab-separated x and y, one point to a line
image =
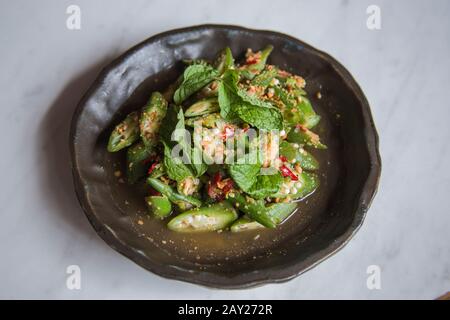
210	218
256	62
160	206
304	136
173	196
125	133
137	165
151	118
224	61
195	153
202	107
307	183
245	224
295	153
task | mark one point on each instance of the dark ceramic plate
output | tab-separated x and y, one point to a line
350	168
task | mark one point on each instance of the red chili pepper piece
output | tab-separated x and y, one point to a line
286	172
228	186
283	158
152	167
218	188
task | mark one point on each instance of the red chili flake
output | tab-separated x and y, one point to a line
228	132
218	188
283	158
214	192
286	172
228	186
152	167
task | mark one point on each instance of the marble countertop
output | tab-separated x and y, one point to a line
404	69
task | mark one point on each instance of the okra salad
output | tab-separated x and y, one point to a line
225	147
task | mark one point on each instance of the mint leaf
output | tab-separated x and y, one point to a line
175	168
248	178
235	102
169	124
244	175
253	99
262	118
184	142
266	186
227	95
195	77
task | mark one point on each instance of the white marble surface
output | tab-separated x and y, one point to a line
404	69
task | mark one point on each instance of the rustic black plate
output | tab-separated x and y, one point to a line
327	220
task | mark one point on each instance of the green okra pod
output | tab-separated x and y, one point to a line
188	186
249	71
172	195
202	107
125	133
278	212
208	121
255	209
265	78
160	206
158	171
307	183
308	117
151	118
211	218
224	61
137	167
295	153
269	216
304	136
245	224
